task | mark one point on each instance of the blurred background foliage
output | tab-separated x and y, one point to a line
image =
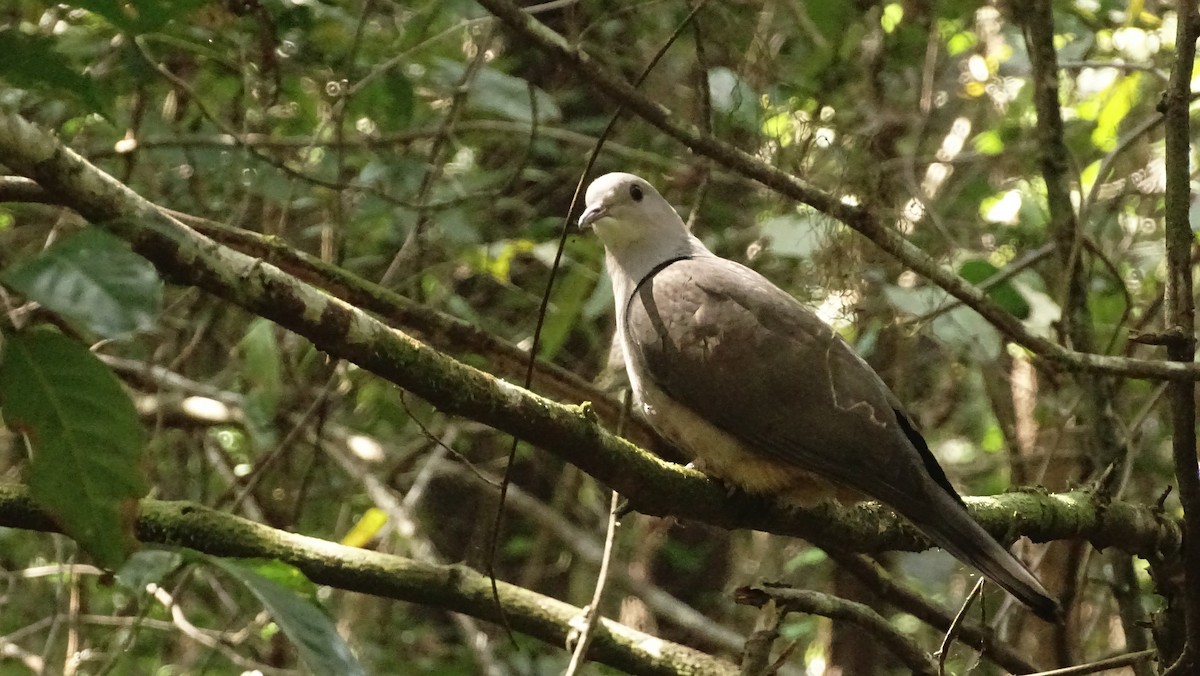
421	145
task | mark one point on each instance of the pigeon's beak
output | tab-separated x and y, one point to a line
591	215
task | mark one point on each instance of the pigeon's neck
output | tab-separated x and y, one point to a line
628	266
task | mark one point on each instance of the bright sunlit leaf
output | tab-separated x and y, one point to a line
366	528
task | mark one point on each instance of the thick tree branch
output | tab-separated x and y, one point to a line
452	587
652	485
862	220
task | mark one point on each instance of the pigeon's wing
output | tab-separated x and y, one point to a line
723	341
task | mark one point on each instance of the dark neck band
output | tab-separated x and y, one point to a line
653	271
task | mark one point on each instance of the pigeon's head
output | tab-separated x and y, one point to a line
625	210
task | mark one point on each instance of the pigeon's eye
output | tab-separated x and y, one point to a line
635	191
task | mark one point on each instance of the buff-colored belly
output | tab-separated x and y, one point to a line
720	455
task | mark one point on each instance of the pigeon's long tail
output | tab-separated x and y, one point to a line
954	530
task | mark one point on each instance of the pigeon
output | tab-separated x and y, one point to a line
761	393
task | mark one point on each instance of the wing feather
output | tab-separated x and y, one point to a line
734	348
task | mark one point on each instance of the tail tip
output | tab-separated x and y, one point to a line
1047	609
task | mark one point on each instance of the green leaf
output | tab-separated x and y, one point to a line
262	376
498	93
795	235
963	329
262	365
93	278
30	62
1118	101
917	301
960	327
300	617
562	317
831	19
733	98
286	576
388	100
140	16
146	567
85	437
989	142
1005	294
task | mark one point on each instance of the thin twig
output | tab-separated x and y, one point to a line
610	535
592	612
959	618
1105	664
835	608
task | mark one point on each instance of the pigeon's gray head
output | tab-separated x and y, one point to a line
625	210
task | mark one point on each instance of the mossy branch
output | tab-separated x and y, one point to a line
452	587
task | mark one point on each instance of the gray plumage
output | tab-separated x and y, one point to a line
761	392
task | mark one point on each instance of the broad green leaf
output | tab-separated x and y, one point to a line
146	567
793	235
781	127
960	327
387	100
831	18
806	558
1006	296
1118	101
140	16
85	437
562	316
285	575
261	372
960	42
498	93
261	364
93	278
297	613
964	329
893	14
988	142
916	301
733	99
30	62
